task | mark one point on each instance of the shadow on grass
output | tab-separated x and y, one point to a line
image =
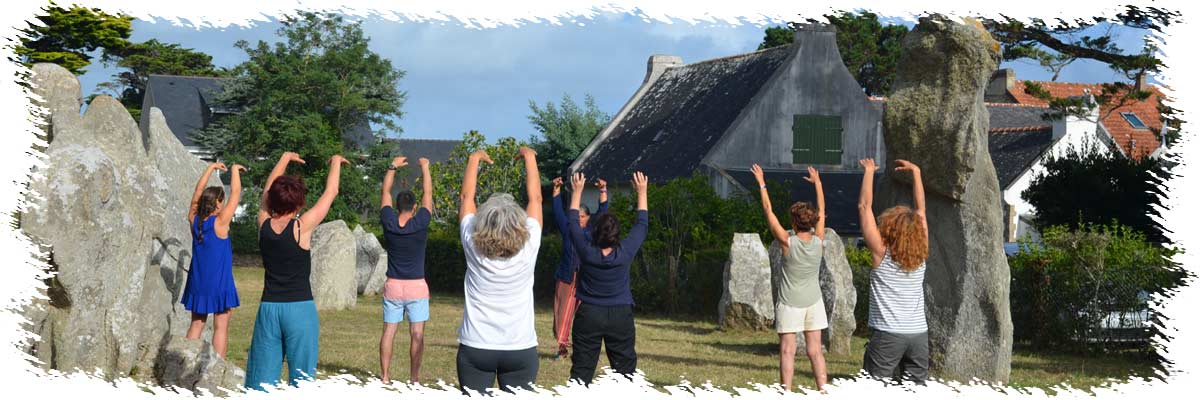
689	329
697	361
336	368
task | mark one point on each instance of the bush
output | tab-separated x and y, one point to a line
243	236
1064	289
860	268
446	265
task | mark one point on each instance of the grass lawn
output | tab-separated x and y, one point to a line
669	349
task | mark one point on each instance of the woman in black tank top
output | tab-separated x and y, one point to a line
286	327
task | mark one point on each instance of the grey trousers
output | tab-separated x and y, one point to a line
479	369
898	356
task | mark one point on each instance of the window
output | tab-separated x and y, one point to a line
1134	121
816	139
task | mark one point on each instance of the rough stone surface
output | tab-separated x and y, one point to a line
837	292
370	262
936	118
109	208
333	271
193	364
747	301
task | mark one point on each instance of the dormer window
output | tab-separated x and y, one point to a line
1134	121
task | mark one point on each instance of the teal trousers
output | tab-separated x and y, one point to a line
283	331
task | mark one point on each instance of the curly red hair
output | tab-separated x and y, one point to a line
286	195
904	236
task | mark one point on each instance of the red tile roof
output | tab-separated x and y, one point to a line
1136	143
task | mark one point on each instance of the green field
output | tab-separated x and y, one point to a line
669	349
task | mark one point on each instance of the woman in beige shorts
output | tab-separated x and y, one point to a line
799	307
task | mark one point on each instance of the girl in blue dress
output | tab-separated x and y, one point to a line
210	288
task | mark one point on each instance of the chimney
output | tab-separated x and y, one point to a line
659	63
1140	83
1001	83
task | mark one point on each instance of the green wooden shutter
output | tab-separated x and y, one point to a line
816	139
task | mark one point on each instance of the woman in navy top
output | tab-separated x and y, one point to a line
605	314
564	275
210	288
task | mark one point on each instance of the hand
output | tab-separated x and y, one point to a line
577	181
640	182
218	166
423	162
237	167
291	156
868	165
813	177
399	162
338	159
758	175
482	156
905	165
601	184
525	152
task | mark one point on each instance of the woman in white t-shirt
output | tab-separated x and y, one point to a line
500	241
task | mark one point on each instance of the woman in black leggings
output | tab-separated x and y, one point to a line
605	313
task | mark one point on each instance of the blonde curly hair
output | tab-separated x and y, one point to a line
499	230
904	236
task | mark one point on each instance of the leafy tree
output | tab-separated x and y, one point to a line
506	175
65	36
1085	186
869	48
151	57
566	130
311	94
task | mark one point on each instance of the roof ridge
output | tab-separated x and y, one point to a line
1001	104
729	57
1014	129
190	76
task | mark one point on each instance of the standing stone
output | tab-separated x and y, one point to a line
109	207
837	292
333	280
746	301
936	118
193	364
370	262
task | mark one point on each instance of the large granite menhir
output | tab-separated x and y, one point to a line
746	301
109	208
935	117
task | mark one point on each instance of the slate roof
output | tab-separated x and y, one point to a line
188	102
1015	152
675	124
841	194
1136	143
436	150
184	101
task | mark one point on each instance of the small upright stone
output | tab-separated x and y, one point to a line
746	301
333	280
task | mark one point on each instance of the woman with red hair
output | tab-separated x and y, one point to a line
286	326
899	244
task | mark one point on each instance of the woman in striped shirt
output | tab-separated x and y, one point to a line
899	244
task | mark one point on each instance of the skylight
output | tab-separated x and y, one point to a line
1134	121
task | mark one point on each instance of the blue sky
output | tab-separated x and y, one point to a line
458	79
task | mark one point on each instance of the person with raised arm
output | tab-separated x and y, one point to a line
405	229
899	246
800	307
210	287
287	327
568	266
496	341
605	313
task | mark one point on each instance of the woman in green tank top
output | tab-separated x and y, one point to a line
800	308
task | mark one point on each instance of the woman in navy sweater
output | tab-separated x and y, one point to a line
605	314
564	275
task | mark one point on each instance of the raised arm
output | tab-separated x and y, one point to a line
866	216
579	241
918	190
313	217
426	185
200	185
466	197
603	186
815	178
637	233
533	184
389	177
235	197
773	224
280	168
560	216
